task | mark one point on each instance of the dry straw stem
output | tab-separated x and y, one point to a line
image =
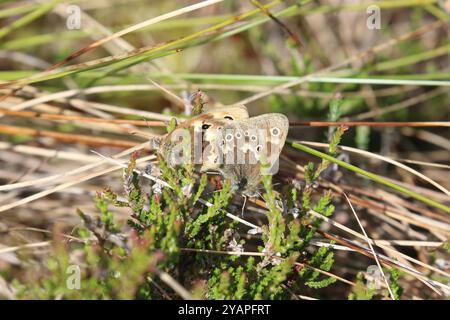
82	104
372	155
95	126
402	105
67	137
46	116
429	137
370	123
136	27
372	176
146	123
426	164
379	243
386	261
402	243
369	242
25	246
171	282
48	153
53	179
76	180
107	125
15	229
262	254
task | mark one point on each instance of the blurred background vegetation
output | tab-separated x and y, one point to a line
328	65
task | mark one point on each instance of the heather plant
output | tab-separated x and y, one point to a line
170	232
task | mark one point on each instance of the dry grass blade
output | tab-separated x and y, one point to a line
25	246
381	245
261	254
44	116
67	137
48	153
371	248
171	282
135	27
370	124
385	159
77	180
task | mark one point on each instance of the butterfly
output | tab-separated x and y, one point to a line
226	140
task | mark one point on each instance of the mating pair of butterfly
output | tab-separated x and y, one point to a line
228	141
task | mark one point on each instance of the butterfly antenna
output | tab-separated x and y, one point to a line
260	195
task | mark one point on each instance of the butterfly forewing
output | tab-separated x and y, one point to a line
185	144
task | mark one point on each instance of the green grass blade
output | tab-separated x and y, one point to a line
371	176
23	21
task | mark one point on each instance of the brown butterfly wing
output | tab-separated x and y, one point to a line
231	143
195	128
229	113
254	150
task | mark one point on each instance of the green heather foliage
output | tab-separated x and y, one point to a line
395	287
169	231
122	261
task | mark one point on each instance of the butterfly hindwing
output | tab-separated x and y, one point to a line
255	149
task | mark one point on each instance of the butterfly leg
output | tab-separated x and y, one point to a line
243	206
